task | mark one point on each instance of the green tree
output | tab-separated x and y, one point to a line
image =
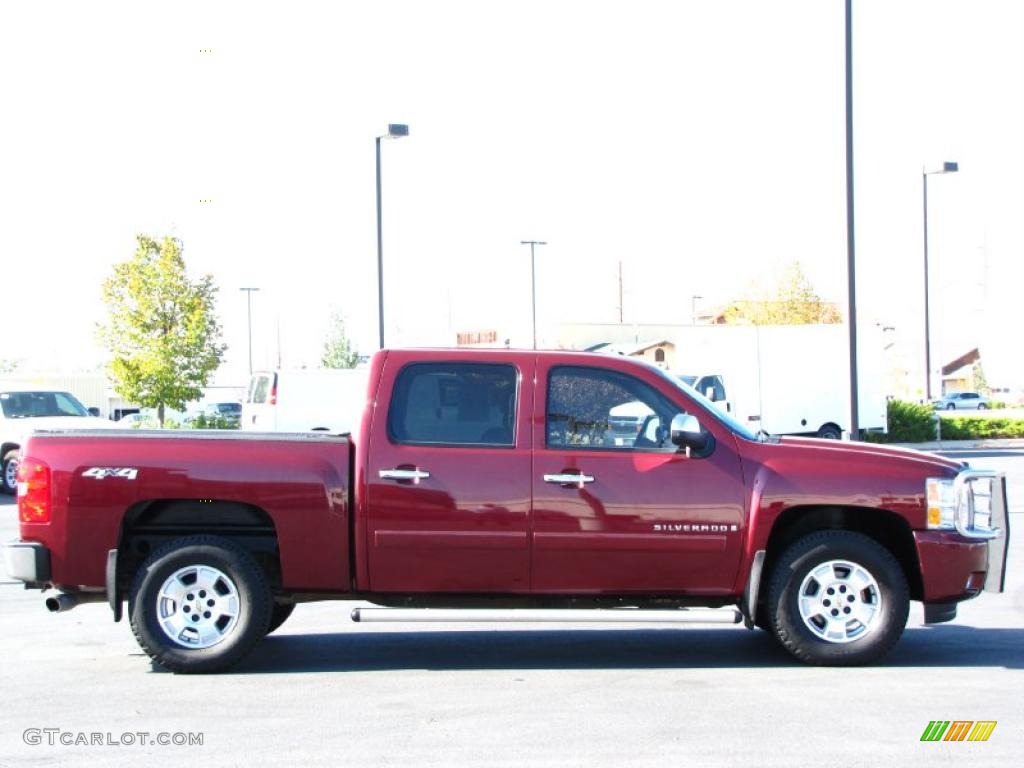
8	366
792	301
338	349
980	382
161	330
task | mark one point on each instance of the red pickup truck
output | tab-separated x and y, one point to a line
503	485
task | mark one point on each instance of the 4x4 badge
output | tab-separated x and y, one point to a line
99	473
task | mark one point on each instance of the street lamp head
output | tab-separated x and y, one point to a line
396	131
532	242
949	166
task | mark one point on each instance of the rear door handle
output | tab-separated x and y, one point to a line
569	478
403	474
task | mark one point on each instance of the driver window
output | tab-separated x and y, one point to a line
597	409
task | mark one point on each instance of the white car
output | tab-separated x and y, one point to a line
962	401
24	410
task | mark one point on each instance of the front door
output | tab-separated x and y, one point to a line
618	508
448	499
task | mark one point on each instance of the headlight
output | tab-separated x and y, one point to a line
963	503
941	502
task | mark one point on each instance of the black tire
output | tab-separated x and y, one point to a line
864	643
830	432
237	633
951	407
982	407
8	480
279	615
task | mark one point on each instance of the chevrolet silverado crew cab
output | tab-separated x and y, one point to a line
495	485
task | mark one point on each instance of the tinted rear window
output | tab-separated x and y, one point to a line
454	404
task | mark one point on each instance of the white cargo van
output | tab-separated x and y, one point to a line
306	400
786	380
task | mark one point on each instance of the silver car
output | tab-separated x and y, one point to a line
962	401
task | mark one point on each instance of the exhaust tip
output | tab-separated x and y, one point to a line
53	604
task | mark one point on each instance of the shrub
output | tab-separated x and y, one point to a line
981	428
909	423
202	421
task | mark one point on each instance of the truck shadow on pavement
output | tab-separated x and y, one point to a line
953	646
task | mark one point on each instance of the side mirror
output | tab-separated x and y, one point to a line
686	433
94	411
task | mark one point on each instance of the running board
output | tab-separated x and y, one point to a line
572	615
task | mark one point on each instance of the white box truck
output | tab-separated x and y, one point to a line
305	400
787	379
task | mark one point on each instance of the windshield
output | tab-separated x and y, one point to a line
33	405
229	408
725	418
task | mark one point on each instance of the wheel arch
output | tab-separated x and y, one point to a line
148	525
884	526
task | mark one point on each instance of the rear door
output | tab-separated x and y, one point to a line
258	410
448	481
618	516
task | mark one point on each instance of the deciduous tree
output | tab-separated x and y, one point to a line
338	349
793	301
161	329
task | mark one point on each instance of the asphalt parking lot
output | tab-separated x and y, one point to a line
325	691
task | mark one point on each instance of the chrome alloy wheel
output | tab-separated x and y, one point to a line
839	601
197	607
11	473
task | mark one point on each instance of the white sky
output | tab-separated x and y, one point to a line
702	143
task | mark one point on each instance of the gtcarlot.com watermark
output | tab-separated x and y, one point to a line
54	737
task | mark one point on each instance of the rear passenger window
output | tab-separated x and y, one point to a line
259	389
454	404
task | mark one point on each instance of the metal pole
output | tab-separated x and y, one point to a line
248	301
927	325
851	279
380	255
620	291
533	292
533	282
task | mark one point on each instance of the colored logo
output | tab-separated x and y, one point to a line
958	730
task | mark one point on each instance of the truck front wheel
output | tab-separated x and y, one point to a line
279	615
838	598
199	604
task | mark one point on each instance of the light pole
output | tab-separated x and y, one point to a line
693	308
248	301
947	167
533	281
395	131
851	248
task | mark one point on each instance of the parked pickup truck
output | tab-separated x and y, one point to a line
491	485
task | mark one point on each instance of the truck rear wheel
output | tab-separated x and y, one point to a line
830	432
838	598
199	604
10	472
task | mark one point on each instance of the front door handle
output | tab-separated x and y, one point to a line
403	474
569	478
